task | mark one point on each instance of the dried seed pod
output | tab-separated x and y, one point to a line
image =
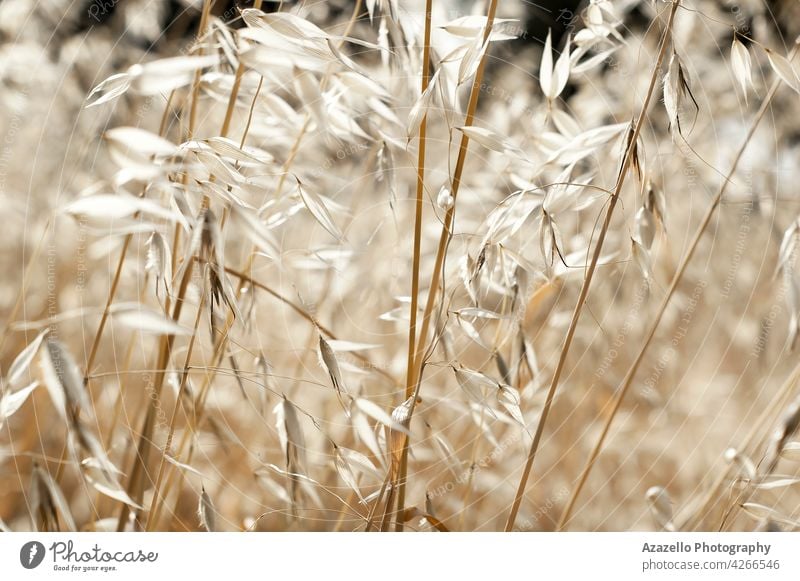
159	261
784	68
642	259
654	201
386	172
782	435
346	472
553	78
645	227
317	207
23	361
550	242
660	507
635	152
206	512
264	368
743	463
787	254
401	417
331	364
421	107
444	199
11	402
741	64
676	89
509	398
62	379
474	384
47	502
290	434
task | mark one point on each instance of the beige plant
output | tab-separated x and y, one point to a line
399	270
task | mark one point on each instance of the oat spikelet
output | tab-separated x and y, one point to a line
787	428
329	361
62	379
660	507
206	512
401	416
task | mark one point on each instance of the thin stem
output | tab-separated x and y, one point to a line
135	482
151	522
237	82
155	506
412	326
112	293
119	400
196	82
441	251
729	514
120	263
221	344
628	160
778	402
135	486
676	279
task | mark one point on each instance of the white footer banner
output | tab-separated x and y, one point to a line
390	556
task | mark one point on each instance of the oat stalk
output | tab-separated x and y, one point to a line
412	325
676	279
628	160
444	238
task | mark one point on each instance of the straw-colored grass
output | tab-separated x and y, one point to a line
401	267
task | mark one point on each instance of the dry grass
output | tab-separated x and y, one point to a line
368	270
